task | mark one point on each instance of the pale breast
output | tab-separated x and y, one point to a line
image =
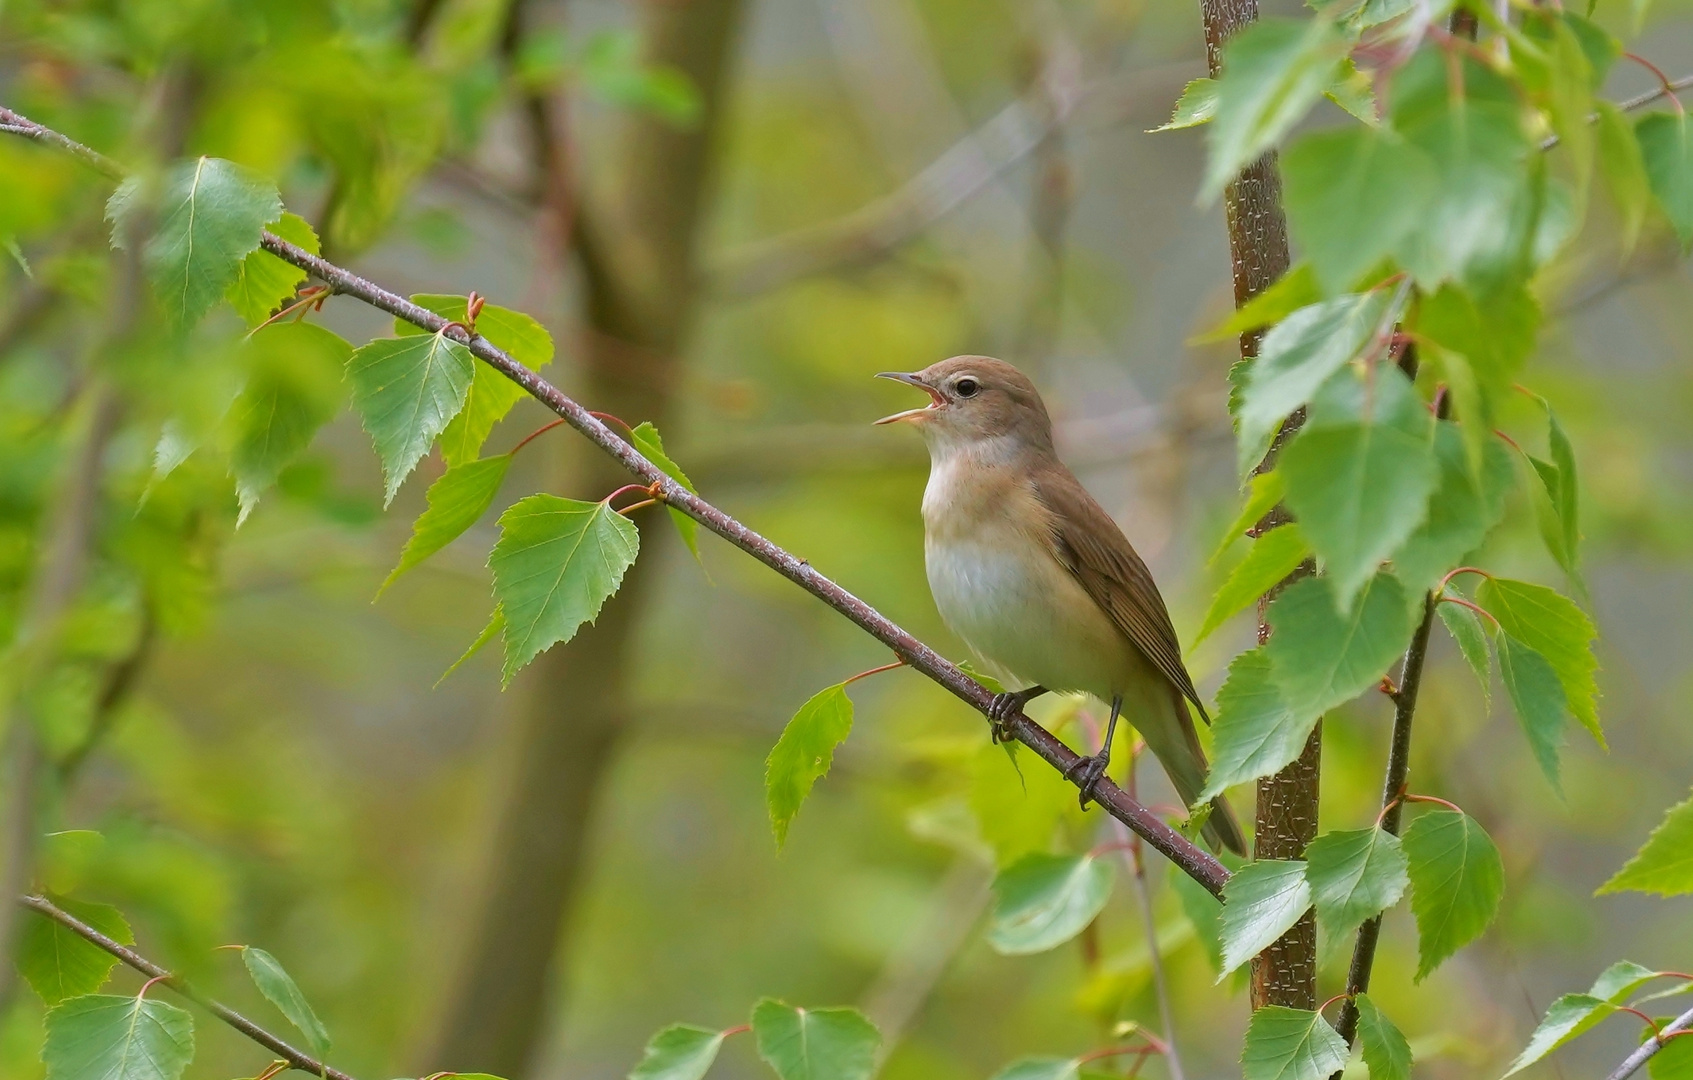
998	586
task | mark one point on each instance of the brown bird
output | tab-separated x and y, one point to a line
1039	581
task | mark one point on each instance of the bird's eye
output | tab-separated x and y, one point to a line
966	387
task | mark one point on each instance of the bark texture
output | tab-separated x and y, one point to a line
1286	972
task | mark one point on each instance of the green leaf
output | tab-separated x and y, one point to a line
1494	331
1293	290
1667	150
1256	733
1355	875
1352	194
212	213
1263	492
814	1044
1261	902
1359	481
1273	72
280	989
1197	105
1045	1068
1295	358
1386	1052
1553	626
1617	982
1457	879
1461	511
1041	901
1271	558
803	754
104	1037
293	389
1319	658
496	625
651	446
456	502
1570	1015
1623	165
679	1052
265	281
1539	701
1465	627
59	963
991	684
1664	864
491	394
1290	1044
1204	912
1354	90
556	562
406	390
1479	151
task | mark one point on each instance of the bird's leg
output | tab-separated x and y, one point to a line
1007	705
1091	769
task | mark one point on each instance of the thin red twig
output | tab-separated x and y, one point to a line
542	430
1664	82
1435	799
874	671
1477	608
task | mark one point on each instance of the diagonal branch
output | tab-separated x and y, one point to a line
297	1059
1192	859
1631	1064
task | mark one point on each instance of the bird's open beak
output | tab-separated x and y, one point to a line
935	402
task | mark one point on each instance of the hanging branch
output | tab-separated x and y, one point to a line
297	1059
1193	860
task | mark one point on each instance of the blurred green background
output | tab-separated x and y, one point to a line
740	211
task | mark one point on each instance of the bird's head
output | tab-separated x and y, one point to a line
974	399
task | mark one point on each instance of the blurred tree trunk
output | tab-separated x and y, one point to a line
638	269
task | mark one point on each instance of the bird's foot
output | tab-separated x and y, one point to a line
1004	709
1090	770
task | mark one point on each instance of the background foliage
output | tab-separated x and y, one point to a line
231	743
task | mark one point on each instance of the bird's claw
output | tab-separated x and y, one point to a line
1091	770
1000	714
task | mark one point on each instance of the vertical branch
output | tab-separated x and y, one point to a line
1398	769
1398	766
1286	972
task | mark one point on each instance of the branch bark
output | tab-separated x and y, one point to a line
297	1059
1193	860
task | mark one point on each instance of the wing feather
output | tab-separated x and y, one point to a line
1100	557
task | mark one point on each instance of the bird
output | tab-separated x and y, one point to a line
1039	581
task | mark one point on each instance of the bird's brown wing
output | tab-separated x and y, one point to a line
1095	551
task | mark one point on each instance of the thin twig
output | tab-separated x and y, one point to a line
1193	860
297	1059
1639	101
1160	984
1631	1064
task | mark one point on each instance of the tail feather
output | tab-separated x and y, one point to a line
1175	743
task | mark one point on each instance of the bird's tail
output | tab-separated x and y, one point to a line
1176	745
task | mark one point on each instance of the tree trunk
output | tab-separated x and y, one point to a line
638	263
1286	972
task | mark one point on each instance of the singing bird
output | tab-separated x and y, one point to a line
1039	581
